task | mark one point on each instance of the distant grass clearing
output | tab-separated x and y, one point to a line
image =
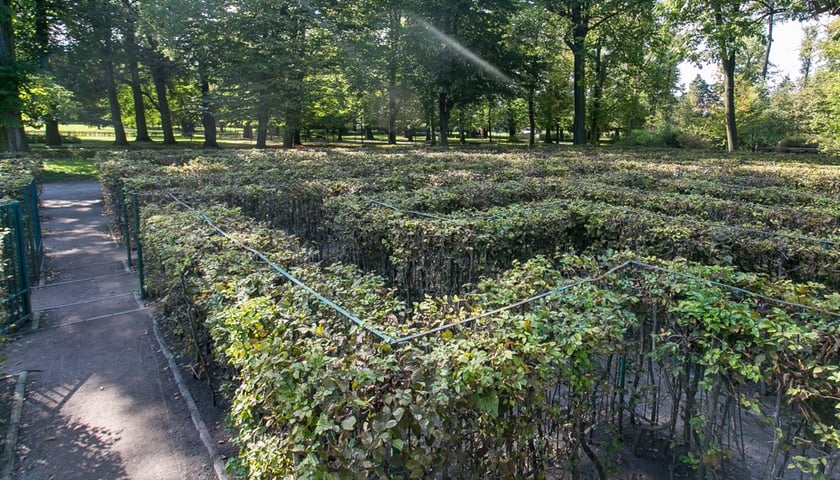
69	170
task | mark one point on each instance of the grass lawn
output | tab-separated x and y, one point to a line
66	170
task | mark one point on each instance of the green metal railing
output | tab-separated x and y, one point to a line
16	302
32	225
129	226
22	257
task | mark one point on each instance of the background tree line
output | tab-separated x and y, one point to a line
579	70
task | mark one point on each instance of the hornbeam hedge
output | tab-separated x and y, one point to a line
628	356
474	337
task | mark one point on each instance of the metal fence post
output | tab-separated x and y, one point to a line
126	231
22	259
138	242
17	299
36	246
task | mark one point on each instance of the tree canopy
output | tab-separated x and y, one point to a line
600	71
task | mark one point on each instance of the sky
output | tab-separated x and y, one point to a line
784	55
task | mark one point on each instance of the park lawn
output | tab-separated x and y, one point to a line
66	170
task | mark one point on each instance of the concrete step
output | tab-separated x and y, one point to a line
83	255
59	241
83	312
57	295
84	271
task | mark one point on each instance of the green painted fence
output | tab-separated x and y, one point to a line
21	257
14	272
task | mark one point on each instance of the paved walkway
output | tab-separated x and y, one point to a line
100	398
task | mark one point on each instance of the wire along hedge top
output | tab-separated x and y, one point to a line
519	303
343	312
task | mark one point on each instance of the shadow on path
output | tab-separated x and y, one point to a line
100	401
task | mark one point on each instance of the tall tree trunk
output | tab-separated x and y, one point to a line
288	137
532	121
136	85
42	41
490	119
806	52
12	136
766	66
113	99
291	134
53	136
159	79
13	139
42	32
393	108
157	65
262	131
247	131
444	111
597	94
579	125
580	28
208	121
728	64
512	138
462	135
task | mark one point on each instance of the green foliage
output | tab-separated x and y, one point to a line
472	379
15	173
648	138
821	92
44	98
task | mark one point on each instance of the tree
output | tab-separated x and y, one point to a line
45	101
529	41
371	37
189	31
634	71
807	52
718	29
160	69
13	138
583	17
458	49
90	57
132	53
821	97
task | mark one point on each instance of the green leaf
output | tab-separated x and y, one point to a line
489	404
348	423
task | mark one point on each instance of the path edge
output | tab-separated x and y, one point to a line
14	426
195	415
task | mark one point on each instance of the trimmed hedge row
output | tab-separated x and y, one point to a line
473	382
16	173
429	255
509	395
